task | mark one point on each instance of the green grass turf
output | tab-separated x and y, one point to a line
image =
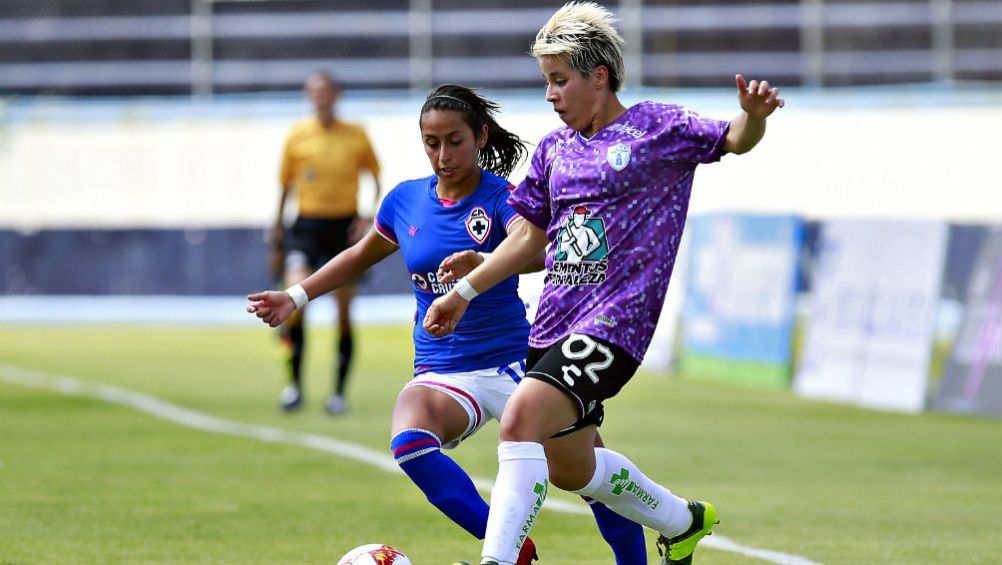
84	481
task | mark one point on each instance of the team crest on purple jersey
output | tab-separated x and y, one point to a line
618	156
478	224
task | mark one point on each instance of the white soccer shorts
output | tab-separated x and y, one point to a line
482	393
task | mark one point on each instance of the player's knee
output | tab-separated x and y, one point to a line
566	477
518	425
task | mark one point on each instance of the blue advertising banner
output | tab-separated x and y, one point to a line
740	298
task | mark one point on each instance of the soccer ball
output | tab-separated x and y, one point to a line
374	554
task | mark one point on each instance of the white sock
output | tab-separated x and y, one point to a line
516	499
620	485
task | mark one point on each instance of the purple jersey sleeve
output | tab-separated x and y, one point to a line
531	199
696	139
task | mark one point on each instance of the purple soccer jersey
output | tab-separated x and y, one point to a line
613	207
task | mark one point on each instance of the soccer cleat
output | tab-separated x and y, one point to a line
678	550
335	405
291	398
527	554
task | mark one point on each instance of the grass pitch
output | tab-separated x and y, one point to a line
85	481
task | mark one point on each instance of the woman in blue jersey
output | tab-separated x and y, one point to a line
464	379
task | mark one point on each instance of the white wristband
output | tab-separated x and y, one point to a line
298	295
483	254
466	290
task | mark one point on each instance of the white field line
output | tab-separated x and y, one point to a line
192	419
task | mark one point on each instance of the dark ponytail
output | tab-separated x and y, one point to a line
503	150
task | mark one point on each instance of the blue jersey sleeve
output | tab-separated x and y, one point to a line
384	224
504	214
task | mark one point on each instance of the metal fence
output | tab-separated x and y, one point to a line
210	46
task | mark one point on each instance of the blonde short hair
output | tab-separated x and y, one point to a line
583	33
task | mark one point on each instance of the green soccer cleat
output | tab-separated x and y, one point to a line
678	550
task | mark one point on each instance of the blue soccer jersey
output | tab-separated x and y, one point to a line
494	330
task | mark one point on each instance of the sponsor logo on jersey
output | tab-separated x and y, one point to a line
618	156
605	320
478	224
428	282
582	256
628	130
419	281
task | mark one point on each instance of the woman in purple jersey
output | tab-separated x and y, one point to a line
610	192
439	408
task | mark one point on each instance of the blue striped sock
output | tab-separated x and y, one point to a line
443	482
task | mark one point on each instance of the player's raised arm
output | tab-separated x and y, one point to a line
758	101
275	307
522	245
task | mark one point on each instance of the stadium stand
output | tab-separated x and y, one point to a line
122	47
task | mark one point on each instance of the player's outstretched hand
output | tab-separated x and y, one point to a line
273	307
444	313
458	265
756	98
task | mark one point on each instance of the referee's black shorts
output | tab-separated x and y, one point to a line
312	242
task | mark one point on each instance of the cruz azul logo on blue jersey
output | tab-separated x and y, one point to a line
618	156
428	282
478	225
582	250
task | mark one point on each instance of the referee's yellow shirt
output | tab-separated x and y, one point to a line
323	165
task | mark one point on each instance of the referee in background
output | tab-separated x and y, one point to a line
322	161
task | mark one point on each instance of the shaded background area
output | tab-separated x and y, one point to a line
194	262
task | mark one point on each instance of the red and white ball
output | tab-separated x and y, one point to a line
374	554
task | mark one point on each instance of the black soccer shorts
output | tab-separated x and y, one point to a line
312	242
588	369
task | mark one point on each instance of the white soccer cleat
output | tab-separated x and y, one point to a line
335	405
291	398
